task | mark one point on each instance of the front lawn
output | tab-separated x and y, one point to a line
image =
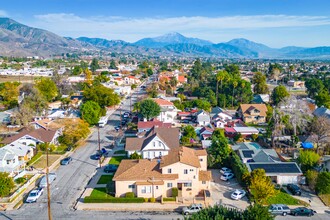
100	193
116	160
104	179
284	198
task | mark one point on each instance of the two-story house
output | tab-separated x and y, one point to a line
183	168
253	113
157	142
168	112
203	118
8	161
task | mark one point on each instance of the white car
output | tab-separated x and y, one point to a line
226	176
224	170
34	195
238	194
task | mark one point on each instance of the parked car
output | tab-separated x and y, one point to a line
34	195
227	176
294	189
43	181
225	170
66	161
302	211
192	209
110	168
279	209
238	194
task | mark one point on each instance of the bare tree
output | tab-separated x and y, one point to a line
320	128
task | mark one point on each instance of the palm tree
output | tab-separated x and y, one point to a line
221	75
235	83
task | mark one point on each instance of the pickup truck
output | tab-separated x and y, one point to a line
34	195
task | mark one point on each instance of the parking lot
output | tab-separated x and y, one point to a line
221	191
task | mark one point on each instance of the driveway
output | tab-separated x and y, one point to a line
221	191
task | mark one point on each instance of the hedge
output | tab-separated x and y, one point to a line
175	192
169	199
129	195
239	169
88	199
34	158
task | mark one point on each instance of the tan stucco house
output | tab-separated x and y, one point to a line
253	113
183	168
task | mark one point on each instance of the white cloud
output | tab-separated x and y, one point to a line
132	29
3	13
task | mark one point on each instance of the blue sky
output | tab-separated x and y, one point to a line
276	23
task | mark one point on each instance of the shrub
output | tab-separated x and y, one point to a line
129	195
135	155
311	177
323	183
175	192
152	199
146	199
89	199
169	199
34	158
20	180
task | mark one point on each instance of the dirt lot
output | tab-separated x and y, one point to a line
42	162
221	191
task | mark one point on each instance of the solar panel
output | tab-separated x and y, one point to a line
247	153
276	167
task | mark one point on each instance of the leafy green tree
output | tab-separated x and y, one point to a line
279	93
9	92
113	65
47	88
94	65
101	95
260	84
323	183
261	186
135	156
152	90
257	212
188	133
77	70
308	159
6	184
90	112
202	104
314	87
133	86
233	70
149	72
149	109
311	178
221	76
323	99
219	150
74	130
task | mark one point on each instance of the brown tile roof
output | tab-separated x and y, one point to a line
141	171
48	124
41	134
204	175
248	107
170	136
163	102
150	182
183	155
200	152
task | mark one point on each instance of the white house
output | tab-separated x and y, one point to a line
157	142
168	112
203	118
8	161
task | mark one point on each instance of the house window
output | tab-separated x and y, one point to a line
191	170
159	144
185	171
131	186
169	170
201	159
156	187
203	182
194	177
8	161
169	185
160	153
187	185
154	144
146	189
154	154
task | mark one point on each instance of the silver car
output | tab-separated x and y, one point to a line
279	209
192	209
43	181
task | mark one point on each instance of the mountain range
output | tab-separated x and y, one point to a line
17	39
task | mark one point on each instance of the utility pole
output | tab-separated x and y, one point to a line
48	187
98	138
130	103
120	118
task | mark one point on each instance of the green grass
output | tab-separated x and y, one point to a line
104	179
116	160
35	158
284	198
120	152
100	193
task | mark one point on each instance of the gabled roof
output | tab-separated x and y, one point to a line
18	148
183	155
163	102
170	136
266	155
141	171
205	175
246	108
322	112
40	134
150	124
